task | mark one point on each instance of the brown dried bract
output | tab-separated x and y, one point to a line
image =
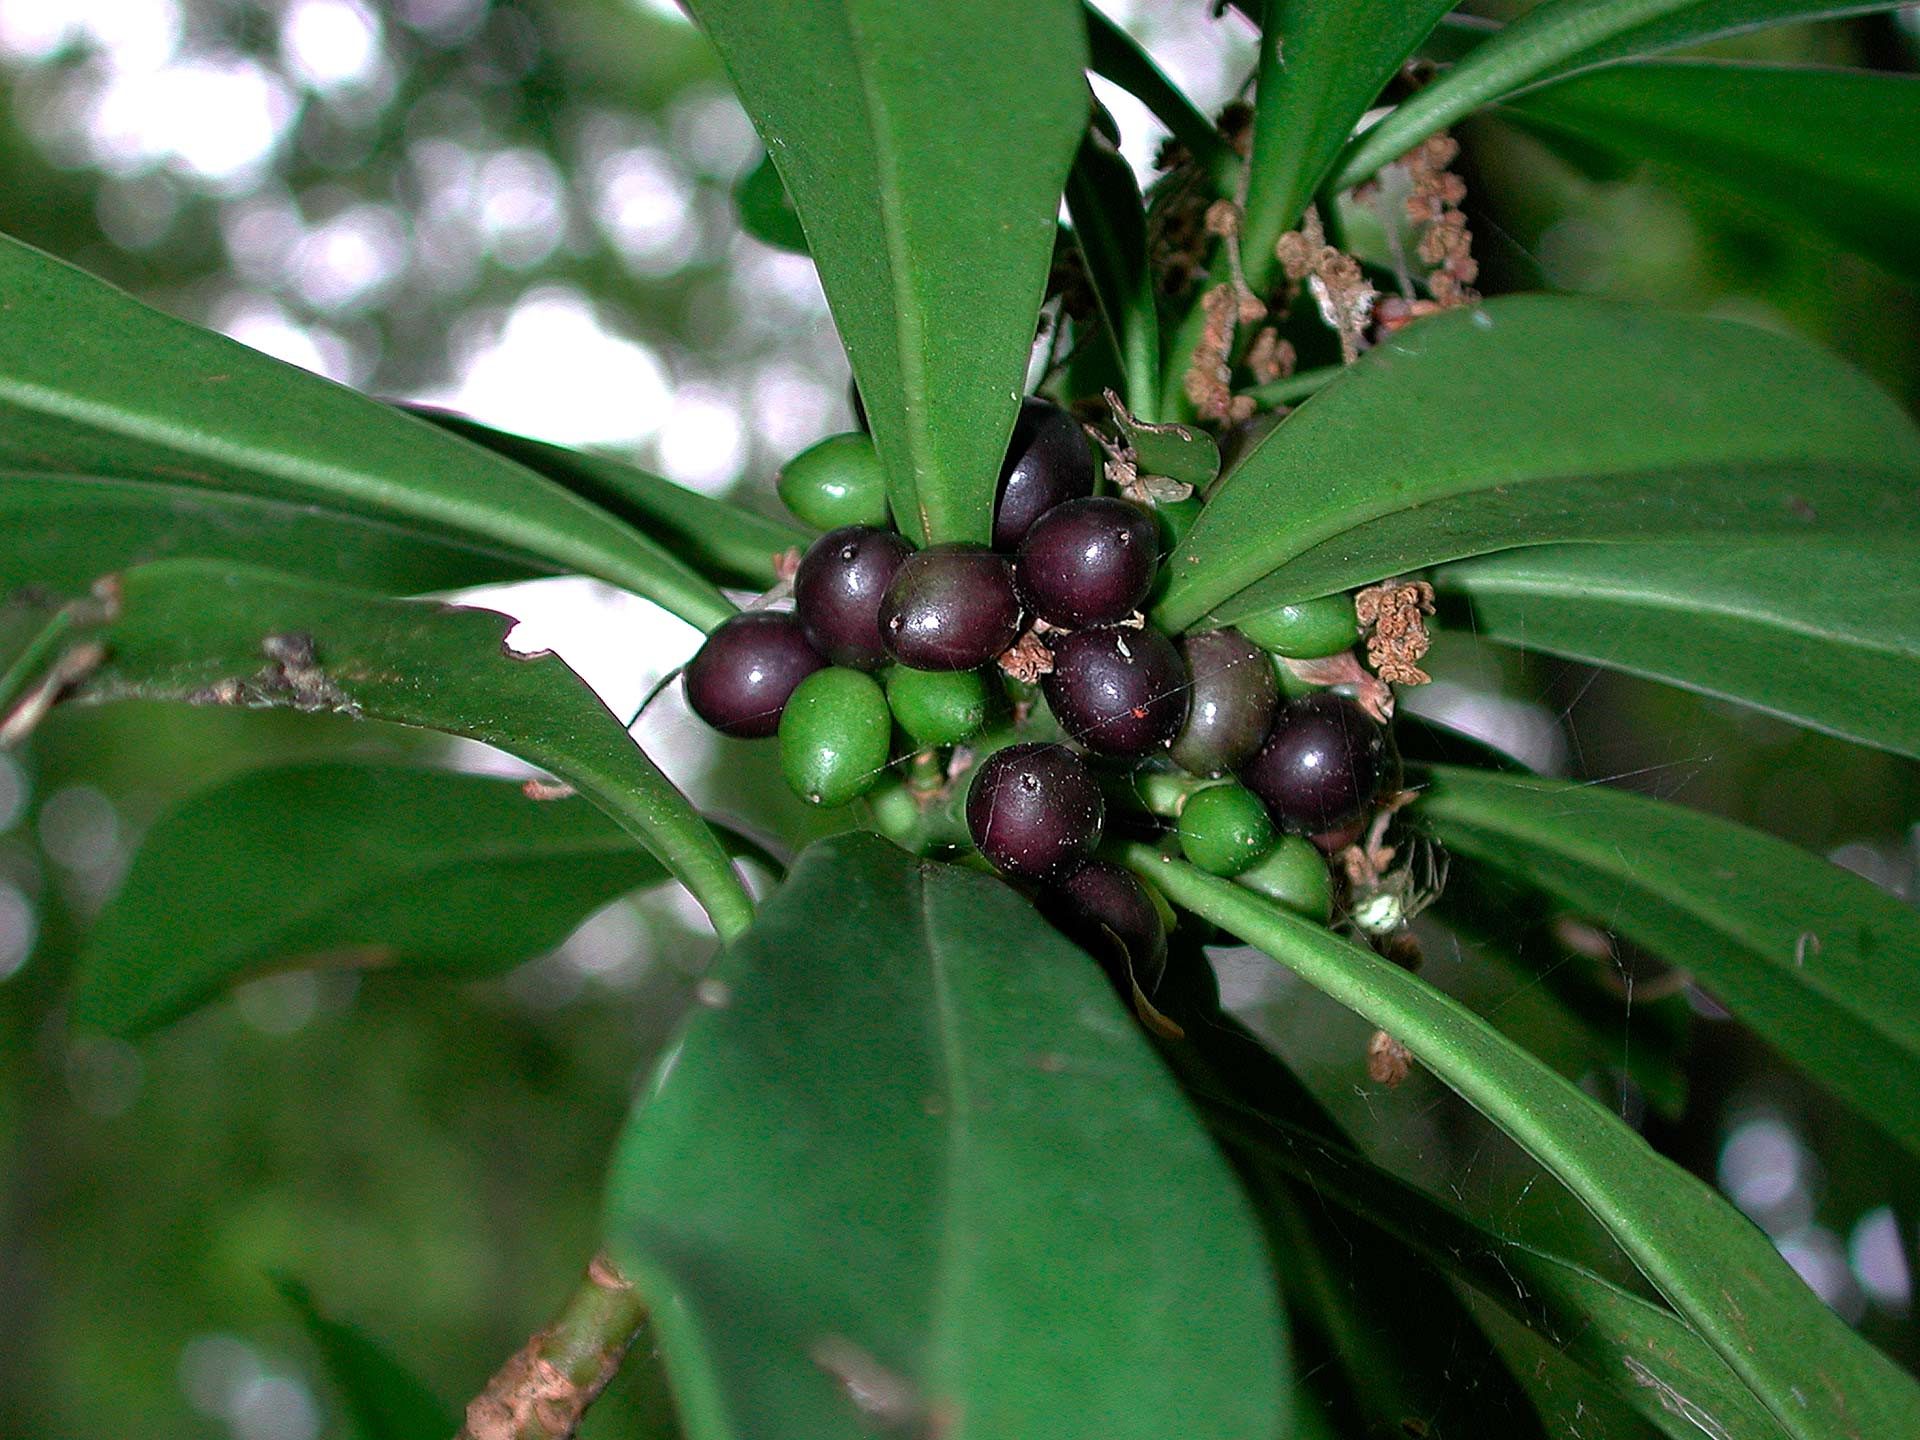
1393	615
1388	1061
1336	281
1445	243
547	790
1027	659
1209	377
1370	693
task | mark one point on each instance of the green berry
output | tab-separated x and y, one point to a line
938	707
1224	829
1294	874
1307	631
836	482
834	736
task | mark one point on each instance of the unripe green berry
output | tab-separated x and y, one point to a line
1307	631
1224	829
1294	875
836	482
835	735
938	707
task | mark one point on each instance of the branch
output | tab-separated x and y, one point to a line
542	1391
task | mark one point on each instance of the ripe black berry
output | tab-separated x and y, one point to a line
1234	697
1320	765
950	607
740	679
838	588
1034	810
1087	562
1107	912
1047	463
1117	690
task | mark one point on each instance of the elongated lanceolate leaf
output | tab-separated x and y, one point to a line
1836	152
60	533
920	1174
344	864
726	543
1821	963
1824	631
387	1400
1534	419
94	383
1816	1377
1110	226
221	634
925	147
1321	66
1634	1346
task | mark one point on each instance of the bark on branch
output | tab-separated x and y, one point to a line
542	1391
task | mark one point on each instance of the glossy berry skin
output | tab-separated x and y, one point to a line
838	588
1233	701
1309	630
1087	562
950	607
1107	912
1117	690
1048	463
939	707
836	482
1034	810
1294	875
1320	765
741	678
834	736
1225	829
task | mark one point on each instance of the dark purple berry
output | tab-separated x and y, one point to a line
1234	697
1034	810
950	607
1047	463
1320	765
1117	690
838	588
740	679
1107	912
1087	562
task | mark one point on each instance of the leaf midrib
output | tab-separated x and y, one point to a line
1709	604
1613	867
947	1320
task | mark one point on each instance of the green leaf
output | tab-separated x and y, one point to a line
925	147
333	863
1321	66
1115	55
1818	1379
1651	1358
726	543
1179	452
1110	226
1003	1200
94	383
1836	152
1541	42
1557	38
222	634
1818	630
1435	446
60	533
386	1400
1816	960
766	210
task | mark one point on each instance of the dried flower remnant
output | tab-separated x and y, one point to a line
1335	280
1392	616
1388	1061
1445	243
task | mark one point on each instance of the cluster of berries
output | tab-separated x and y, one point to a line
1064	581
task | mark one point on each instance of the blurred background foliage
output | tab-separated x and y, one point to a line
521	208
